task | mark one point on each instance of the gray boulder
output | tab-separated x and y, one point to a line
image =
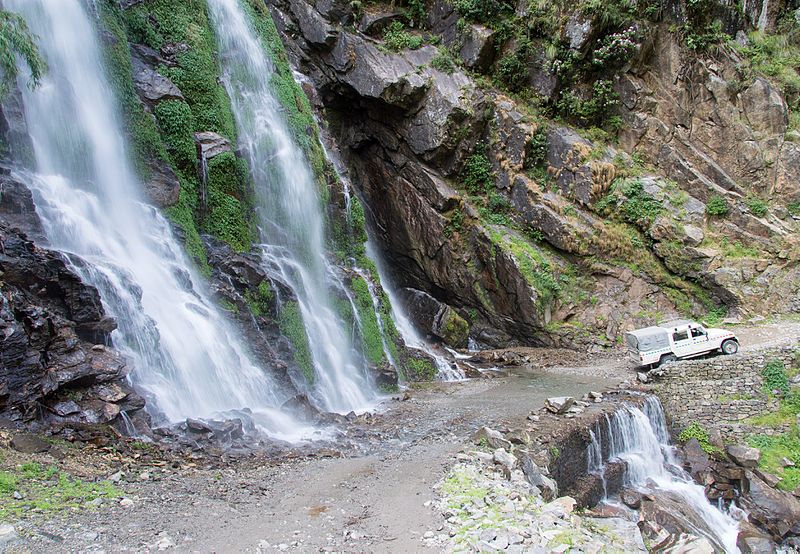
742	455
559	404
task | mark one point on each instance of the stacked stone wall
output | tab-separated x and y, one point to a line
723	393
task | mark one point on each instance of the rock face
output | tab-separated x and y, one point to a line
744	456
436	317
544	257
55	365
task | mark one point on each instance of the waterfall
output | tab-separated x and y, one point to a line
639	437
289	210
187	359
446	371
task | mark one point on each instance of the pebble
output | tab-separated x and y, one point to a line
17	495
7	533
428	535
144	476
126	503
117	477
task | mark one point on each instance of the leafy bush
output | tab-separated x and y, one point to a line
696	431
774	374
756	206
484	11
536	148
512	69
594	111
477	174
396	38
717	206
16	39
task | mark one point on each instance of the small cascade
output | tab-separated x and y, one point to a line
188	361
292	223
639	438
376	305
446	370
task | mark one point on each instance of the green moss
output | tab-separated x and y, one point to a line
261	300
143	137
177	127
228	222
477	174
456	329
418	369
533	263
291	325
182	214
47	490
372	344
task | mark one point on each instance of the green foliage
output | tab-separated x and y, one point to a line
260	301
228	222
484	11
536	148
596	110
291	325
454	223
47	490
717	206
773	449
794	208
418	369
177	127
533	264
512	69
143	137
774	374
444	61
696	431
477	174
777	56
756	205
738	250
396	38
17	40
371	341
638	207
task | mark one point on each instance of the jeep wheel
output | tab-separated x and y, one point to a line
667	359
730	347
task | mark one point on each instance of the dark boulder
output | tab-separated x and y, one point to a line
435	317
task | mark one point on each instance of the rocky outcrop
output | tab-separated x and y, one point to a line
435	317
56	365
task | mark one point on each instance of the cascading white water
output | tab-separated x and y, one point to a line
639	437
445	370
188	362
292	223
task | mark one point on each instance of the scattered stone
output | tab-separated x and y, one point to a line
642	377
117	477
504	459
144	476
126	503
742	455
631	498
518	436
493	438
786	462
29	444
768	478
17	495
559	404
7	534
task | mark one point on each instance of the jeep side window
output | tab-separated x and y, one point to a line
680	335
697	332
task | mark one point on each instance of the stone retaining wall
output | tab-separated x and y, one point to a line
721	393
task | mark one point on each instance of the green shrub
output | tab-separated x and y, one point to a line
17	40
774	374
477	174
756	205
717	206
396	38
696	431
639	207
536	148
489	12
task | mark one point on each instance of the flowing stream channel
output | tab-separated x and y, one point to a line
639	437
188	361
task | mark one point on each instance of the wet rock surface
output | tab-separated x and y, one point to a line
56	367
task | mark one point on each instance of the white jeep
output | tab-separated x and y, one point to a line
674	340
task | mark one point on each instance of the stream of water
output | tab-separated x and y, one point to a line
639	437
188	361
290	211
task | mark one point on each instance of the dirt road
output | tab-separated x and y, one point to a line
376	499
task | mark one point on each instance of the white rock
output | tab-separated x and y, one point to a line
428	535
144	476
126	503
503	458
117	477
7	533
